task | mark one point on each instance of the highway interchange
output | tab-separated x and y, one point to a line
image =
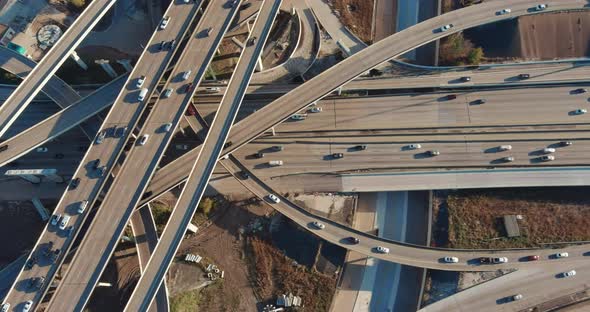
463	145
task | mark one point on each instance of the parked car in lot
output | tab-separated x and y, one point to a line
274	198
580	90
251	41
64	222
5	307
451	259
167	93
485	260
569	273
451	96
318	225
82	206
382	249
465	79
479	101
100	137
167	126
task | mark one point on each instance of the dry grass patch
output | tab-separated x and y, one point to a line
550	215
357	15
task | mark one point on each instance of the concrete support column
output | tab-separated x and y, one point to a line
212	73
126	64
107	67
339	91
40	209
259	66
54	177
237	42
78	60
31	178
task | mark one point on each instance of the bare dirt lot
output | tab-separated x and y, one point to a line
549	215
19	217
357	15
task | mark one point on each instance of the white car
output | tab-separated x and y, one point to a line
562	255
140	81
144	139
500	260
297	117
569	273
82	206
167	127
541	7
414	146
318	225
186	74
167	93
451	259
27	306
505	11
100	137
382	249
504	148
42	149
316	109
548	150
164	22
580	111
274	198
6	307
516	297
547	158
446	27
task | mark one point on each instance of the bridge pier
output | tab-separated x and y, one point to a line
32	175
127	64
78	60
107	67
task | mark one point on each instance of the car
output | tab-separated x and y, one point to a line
164	22
3	147
251	41
140	81
161	45
507	159
547	158
64	222
561	255
569	273
47	251
244	175
212	89
337	155
275	163
42	149
191	111
352	240
446	27
82	206
580	111
433	153
120	132
167	93
166	127
39	282
541	7
59	156
414	146
382	249
499	260
30	263
580	90
524	76
566	143
297	117
316	109
172	44
31	283
259	155
451	97
55	219
360	147
245	5
144	139
69	230
479	101
451	259
182	147
100	137
189	87
227	144
505	11
532	258
318	225
548	150
502	148
485	260
516	297
274	198
74	183
101	171
208	31
27	306
54	255
465	79
186	74
277	148
95	164
5	307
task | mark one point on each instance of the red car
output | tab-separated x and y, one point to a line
533	258
191	111
189	87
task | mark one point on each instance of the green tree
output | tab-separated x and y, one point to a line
78	4
475	56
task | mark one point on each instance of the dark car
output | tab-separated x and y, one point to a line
162	45
29	265
277	148
191	111
244	175
577	91
451	96
479	101
95	164
39	281
352	240
69	230
3	147
100	171
251	41
337	155
532	258
227	144
259	155
47	251
189	87
524	76
120	132
565	143
466	79
360	147
172	44
74	183
245	6
54	255
485	260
